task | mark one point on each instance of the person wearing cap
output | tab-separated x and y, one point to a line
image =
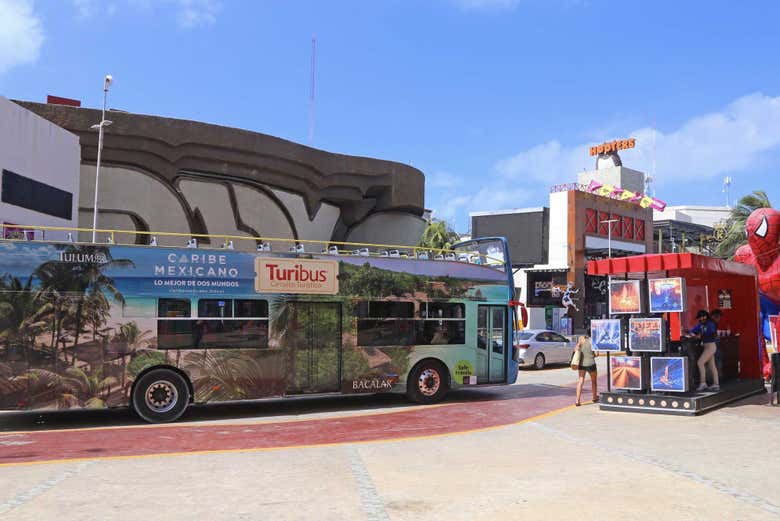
706	331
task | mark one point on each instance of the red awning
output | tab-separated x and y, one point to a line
667	262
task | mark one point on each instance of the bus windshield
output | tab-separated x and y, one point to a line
489	252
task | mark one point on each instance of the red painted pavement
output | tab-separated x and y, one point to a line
488	408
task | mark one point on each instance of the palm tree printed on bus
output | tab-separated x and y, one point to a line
54	334
233	374
79	283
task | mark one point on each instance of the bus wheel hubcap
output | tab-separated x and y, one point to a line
161	396
429	382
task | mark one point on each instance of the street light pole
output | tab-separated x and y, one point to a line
100	126
609	222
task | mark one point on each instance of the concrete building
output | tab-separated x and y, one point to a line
550	246
615	175
526	231
40	174
695	229
174	175
580	230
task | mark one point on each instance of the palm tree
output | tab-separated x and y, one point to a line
82	280
96	311
438	236
133	339
91	389
42	385
228	375
735	224
21	312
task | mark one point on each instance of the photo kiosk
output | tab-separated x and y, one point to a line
672	288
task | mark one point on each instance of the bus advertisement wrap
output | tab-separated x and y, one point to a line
109	313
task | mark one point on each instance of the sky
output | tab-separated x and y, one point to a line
494	101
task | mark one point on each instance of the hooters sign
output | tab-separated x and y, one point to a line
296	276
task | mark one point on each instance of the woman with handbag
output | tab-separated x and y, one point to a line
584	360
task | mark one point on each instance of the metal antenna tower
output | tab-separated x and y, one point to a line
650	181
311	86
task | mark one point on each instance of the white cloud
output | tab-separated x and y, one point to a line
704	148
21	34
194	13
187	13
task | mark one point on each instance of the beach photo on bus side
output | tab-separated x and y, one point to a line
84	322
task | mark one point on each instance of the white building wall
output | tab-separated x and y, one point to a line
33	147
558	254
618	176
704	215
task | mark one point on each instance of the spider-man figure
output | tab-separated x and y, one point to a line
763	252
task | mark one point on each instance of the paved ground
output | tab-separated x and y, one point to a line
534	456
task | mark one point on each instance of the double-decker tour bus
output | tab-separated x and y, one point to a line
86	325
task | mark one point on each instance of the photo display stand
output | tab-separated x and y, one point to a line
644	332
655	298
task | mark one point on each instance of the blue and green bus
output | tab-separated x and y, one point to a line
86	325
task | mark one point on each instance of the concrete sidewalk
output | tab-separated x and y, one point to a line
578	463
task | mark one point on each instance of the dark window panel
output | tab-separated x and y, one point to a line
173	308
36	196
441	332
385	309
444	310
250	308
212	334
215	308
386	332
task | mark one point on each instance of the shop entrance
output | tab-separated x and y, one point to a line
491	344
314	356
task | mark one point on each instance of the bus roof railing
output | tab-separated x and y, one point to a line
263	244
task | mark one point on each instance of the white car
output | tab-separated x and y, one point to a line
539	347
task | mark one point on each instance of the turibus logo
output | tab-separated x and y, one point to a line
296	276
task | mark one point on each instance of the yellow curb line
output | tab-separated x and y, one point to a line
288	447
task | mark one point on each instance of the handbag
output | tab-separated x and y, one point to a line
576	358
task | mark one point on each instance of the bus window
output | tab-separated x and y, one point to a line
251	308
217	327
215	308
482	327
443	323
439	332
173	308
444	310
385	323
385	309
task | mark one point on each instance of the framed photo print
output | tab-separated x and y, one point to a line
667	295
669	374
625	297
605	334
646	334
626	372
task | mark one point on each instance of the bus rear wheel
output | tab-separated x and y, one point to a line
427	383
160	396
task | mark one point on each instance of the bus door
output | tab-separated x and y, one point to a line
491	344
314	356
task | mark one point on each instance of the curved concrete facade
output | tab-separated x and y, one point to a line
173	175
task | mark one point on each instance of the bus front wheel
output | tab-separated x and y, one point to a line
161	396
428	382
